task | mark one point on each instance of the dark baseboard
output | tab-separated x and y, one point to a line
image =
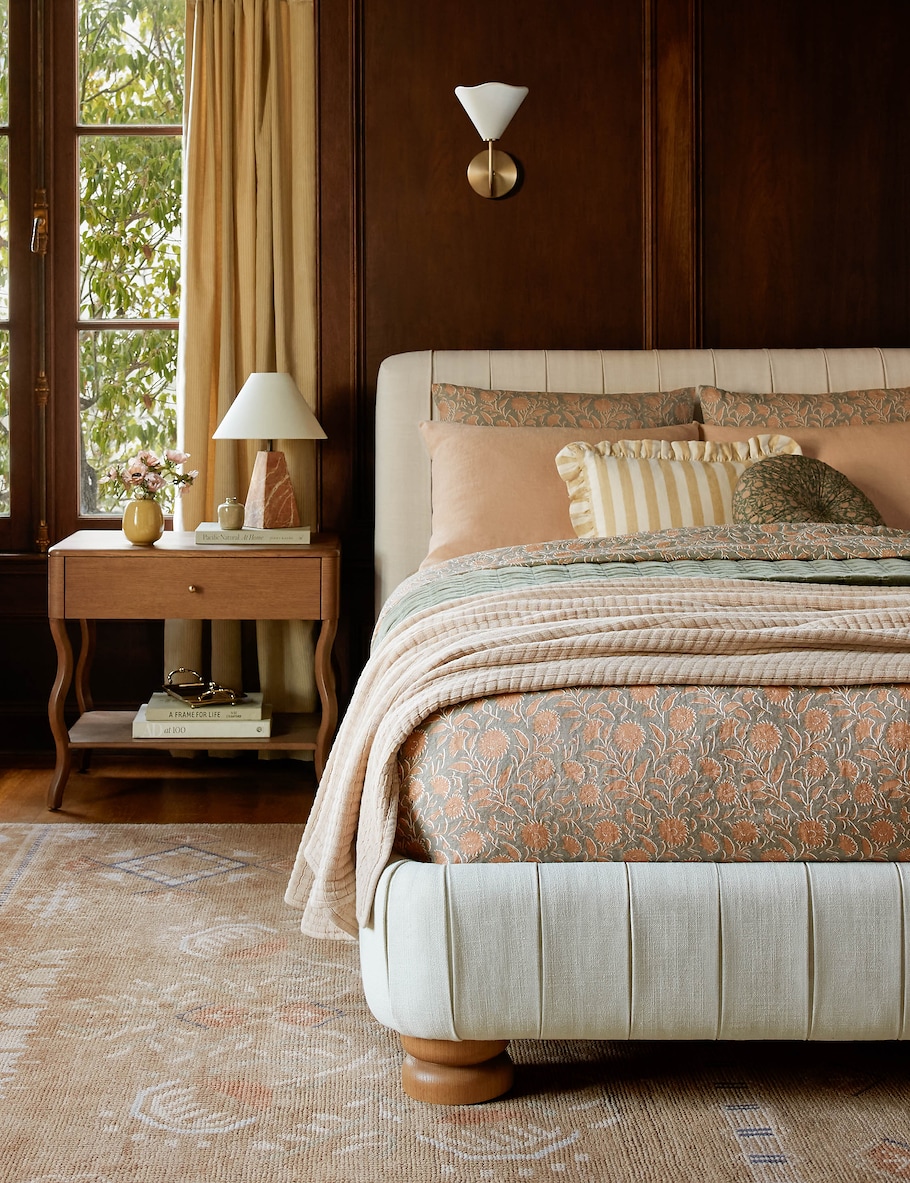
25	732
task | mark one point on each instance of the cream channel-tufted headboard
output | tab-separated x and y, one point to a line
403	399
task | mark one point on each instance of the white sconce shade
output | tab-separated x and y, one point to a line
491	106
269	407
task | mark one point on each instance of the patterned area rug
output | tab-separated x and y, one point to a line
162	1020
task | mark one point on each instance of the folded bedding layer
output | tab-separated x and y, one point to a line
503	623
775	552
661	773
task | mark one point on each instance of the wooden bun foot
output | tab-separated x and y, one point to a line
451	1072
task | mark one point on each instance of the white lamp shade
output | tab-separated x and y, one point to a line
491	106
269	407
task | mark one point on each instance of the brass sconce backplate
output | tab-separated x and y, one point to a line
504	173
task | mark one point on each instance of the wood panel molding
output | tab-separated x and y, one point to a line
345	410
675	188
648	175
339	233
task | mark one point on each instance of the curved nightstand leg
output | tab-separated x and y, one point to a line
325	684
87	635
56	715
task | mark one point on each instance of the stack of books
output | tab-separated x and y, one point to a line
164	717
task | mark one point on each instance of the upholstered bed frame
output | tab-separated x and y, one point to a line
461	958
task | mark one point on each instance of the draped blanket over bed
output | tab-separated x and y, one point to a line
754	606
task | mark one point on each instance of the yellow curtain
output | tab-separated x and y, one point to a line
249	284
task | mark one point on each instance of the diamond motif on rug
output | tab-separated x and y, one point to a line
179	865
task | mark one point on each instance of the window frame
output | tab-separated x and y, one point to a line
21	531
64	321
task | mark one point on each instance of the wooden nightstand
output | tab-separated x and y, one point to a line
98	575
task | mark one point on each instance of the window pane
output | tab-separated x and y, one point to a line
4	61
131	61
127	403
4	423
130	232
4	228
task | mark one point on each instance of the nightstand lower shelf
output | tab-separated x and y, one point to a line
114	729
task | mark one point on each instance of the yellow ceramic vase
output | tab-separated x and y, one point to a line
143	522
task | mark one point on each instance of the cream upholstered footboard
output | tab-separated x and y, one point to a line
470	956
641	951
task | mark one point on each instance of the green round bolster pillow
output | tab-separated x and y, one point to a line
800	489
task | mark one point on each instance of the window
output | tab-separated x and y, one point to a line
130	97
88	299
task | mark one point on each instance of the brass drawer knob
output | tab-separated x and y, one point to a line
192	588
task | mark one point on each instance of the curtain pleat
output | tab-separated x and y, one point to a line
249	281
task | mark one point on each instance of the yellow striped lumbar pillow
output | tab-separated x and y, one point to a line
636	485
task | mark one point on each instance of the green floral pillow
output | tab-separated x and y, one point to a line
800	489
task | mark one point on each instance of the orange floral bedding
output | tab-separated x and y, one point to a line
644	773
778	606
677	772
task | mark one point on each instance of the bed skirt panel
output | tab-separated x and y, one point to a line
640	951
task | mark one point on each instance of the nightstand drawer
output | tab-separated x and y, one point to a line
196	587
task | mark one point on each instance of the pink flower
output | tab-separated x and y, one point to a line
146	474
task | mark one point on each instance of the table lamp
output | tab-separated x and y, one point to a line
270	406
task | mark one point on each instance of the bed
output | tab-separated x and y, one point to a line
633	780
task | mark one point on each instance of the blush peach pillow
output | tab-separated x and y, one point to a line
874	456
495	486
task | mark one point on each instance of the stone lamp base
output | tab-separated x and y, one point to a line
270	502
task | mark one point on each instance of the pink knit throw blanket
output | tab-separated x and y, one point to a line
634	632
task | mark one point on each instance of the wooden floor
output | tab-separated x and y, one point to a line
157	787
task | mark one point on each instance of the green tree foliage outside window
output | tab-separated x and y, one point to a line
131	74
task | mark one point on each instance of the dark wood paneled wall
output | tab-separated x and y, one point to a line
441	264
806	173
695	172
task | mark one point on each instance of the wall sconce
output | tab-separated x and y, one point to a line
270	407
490	108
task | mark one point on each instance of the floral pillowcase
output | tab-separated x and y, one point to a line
519	408
726	408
